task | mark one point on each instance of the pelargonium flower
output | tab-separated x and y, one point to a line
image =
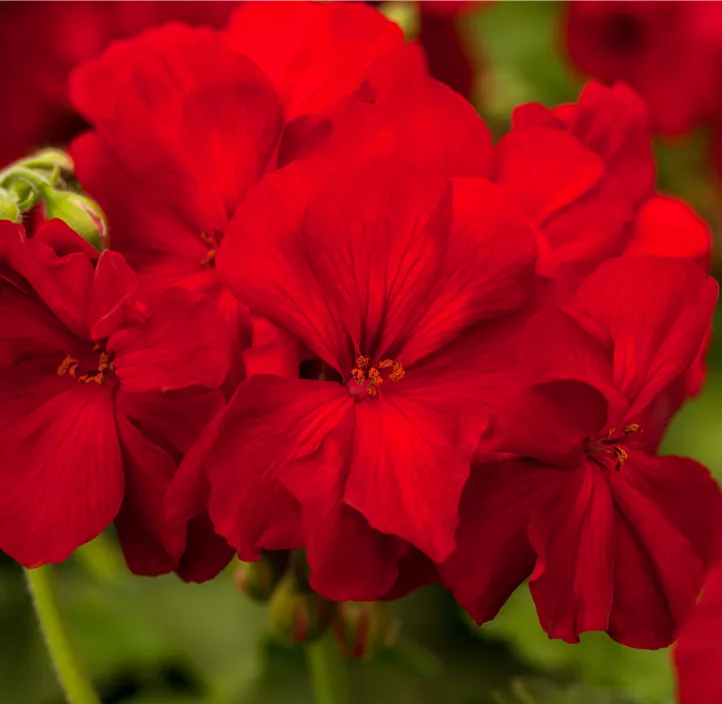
612	537
185	121
667	51
408	288
101	393
699	648
62	36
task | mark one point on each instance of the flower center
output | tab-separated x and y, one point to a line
103	368
613	446
370	375
213	242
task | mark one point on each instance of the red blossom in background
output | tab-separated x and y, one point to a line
667	51
698	652
44	41
103	383
612	537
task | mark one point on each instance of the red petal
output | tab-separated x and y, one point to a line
668	227
113	297
155	430
667	532
573	537
485	272
317	53
270	422
658	312
62	477
493	555
183	343
699	649
349	560
545	170
410	465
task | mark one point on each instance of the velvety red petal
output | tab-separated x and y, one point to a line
62	476
545	170
161	247
168	114
573	537
155	431
182	343
699	649
270	422
206	553
658	312
318	53
493	555
62	283
668	227
349	560
113	299
485	272
409	466
667	531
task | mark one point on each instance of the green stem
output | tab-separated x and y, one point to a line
327	670
68	666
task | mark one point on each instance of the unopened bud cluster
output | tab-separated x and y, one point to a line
299	615
44	178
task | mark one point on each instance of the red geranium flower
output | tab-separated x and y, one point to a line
699	650
408	288
667	51
187	120
62	35
615	538
101	393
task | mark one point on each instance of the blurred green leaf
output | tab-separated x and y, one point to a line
597	660
538	691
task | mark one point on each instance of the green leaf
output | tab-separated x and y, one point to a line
538	691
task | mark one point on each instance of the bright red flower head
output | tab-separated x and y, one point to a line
668	52
101	393
615	538
63	35
698	652
408	288
186	121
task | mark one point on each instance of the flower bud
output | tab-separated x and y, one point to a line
298	615
363	628
50	159
257	580
9	209
79	212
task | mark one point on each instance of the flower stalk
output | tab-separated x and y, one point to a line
327	671
67	663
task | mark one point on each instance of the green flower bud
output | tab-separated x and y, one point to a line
298	615
9	209
257	580
50	159
363	628
79	212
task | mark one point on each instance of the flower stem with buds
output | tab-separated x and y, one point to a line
327	670
68	665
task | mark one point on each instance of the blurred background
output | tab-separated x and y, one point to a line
150	641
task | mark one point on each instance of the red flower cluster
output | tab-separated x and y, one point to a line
438	358
670	52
